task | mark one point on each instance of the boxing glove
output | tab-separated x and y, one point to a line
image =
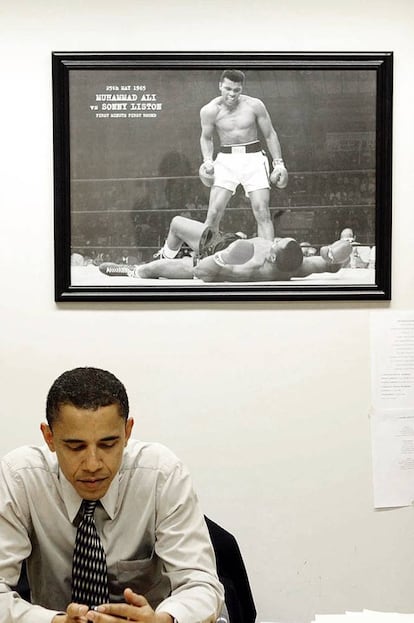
206	173
337	253
279	175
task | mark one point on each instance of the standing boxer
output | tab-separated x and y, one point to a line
236	118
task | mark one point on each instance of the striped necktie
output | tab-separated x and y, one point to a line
89	571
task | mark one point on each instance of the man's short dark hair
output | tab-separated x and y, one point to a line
235	75
86	388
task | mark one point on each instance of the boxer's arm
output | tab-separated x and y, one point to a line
206	138
330	260
232	264
315	264
279	175
268	131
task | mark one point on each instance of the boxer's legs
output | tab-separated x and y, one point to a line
181	230
219	198
260	205
168	269
186	230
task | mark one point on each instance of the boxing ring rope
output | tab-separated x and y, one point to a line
196	177
247	209
284	207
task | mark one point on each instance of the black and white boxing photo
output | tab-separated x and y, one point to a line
181	176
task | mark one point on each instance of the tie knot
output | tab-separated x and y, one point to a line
89	507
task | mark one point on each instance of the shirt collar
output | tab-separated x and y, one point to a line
73	500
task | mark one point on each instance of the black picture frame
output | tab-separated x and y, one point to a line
119	179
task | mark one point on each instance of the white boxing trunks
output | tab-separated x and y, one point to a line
251	170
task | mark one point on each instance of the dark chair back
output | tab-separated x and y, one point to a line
23	587
232	574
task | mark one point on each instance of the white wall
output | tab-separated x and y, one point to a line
267	403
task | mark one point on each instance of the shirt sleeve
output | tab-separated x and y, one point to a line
183	544
15	547
16	610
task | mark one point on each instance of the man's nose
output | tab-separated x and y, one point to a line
92	460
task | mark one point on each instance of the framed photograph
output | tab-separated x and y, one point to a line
222	176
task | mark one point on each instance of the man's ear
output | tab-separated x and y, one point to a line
128	429
48	436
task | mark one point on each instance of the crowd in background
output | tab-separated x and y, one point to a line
114	220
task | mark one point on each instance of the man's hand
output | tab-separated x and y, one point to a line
135	609
75	613
279	175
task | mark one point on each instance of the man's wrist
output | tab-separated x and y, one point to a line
278	162
164	617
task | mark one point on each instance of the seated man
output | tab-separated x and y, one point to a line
256	259
109	526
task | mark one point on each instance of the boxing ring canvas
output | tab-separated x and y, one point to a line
127	157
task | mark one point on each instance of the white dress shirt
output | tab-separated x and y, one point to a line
150	524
